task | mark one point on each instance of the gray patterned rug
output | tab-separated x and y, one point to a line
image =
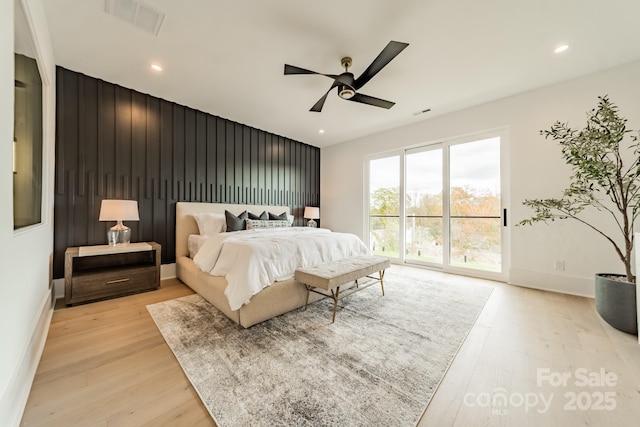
378	364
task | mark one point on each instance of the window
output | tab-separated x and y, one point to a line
424	206
452	206
475	205
384	206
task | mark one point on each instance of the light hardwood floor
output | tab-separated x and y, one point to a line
106	364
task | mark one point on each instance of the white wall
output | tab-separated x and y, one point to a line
536	171
25	306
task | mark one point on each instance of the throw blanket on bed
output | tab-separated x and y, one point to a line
251	260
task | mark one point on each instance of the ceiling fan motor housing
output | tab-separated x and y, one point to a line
346	89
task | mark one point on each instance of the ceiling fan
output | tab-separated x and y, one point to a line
347	85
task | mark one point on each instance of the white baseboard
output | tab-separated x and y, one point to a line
573	285
168	271
15	395
58	288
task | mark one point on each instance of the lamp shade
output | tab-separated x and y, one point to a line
119	210
311	212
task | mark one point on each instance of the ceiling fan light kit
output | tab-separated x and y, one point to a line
348	86
345	92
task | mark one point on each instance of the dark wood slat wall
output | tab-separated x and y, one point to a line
113	142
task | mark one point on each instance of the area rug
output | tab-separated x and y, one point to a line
378	364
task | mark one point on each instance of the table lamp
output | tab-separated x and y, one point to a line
119	210
311	213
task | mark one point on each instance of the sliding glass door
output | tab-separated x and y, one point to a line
423	228
475	205
384	206
441	205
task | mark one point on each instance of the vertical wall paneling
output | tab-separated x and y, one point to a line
212	152
180	149
113	142
201	156
190	154
261	167
229	193
268	161
246	160
238	193
253	165
221	157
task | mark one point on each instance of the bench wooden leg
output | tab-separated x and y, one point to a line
381	283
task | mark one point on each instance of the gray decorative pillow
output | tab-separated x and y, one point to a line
263	216
254	223
281	217
236	223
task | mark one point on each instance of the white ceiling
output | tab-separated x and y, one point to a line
226	57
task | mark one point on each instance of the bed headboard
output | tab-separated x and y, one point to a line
186	225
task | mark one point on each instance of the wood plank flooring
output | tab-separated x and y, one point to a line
106	364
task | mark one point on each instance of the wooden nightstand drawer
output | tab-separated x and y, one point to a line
112	283
99	272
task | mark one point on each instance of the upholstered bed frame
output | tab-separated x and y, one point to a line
279	298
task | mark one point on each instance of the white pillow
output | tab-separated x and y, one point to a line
210	223
290	218
257	223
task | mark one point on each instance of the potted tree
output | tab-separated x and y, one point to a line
605	159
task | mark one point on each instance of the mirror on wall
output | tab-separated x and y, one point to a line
27	133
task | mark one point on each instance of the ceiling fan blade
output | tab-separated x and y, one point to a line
317	107
377	102
292	69
388	53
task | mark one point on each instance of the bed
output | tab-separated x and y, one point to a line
277	298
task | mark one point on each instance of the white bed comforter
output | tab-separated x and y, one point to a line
251	260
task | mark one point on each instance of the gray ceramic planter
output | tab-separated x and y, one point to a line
616	303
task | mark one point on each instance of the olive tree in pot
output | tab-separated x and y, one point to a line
605	160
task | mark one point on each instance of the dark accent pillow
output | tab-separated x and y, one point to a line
281	217
236	223
263	216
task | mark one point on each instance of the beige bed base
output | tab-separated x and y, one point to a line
279	298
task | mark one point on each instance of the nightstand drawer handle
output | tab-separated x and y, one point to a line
111	282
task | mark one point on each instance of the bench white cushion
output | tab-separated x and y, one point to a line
336	273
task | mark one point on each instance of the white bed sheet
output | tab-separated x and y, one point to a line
251	260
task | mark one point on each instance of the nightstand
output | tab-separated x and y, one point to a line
93	273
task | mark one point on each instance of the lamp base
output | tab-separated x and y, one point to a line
119	234
312	223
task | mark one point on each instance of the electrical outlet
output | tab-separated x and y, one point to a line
558	265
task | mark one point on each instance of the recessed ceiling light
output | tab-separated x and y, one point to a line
156	67
321	131
426	110
561	48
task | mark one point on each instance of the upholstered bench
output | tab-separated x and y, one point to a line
328	277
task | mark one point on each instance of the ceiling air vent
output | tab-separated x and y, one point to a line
141	15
